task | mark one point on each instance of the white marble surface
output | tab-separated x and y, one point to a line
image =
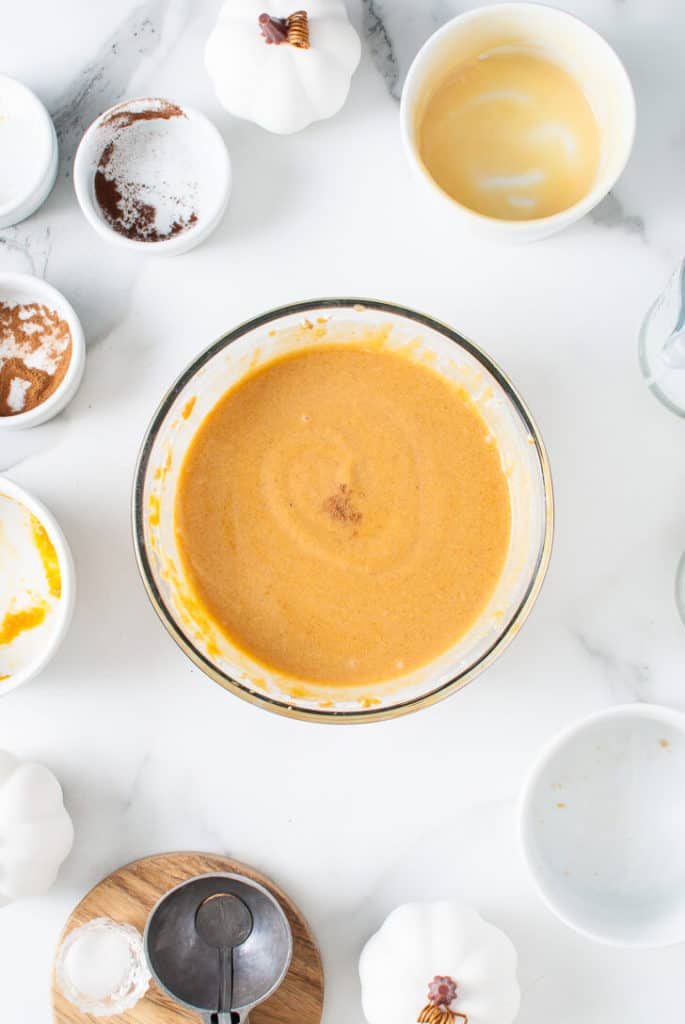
152	755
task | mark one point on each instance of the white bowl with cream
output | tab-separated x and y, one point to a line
30	156
565	42
602	826
22	291
37	586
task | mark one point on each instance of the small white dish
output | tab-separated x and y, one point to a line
160	151
602	826
23	289
30	154
563	38
25	583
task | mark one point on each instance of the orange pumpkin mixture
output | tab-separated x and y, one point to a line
342	514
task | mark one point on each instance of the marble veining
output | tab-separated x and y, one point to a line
381	47
120	66
31	247
152	755
396	29
611	213
629	681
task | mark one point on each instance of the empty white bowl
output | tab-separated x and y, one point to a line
603	826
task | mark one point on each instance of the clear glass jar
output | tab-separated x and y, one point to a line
661	350
101	967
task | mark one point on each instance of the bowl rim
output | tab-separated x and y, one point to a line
517	229
282	706
185	240
535	775
680	587
68	582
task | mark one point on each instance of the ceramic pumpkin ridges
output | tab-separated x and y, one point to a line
438	963
281	67
36	832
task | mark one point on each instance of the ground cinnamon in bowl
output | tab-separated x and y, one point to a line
144	185
35	353
153	176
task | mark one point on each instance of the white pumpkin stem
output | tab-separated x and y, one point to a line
442	991
439	1015
293	30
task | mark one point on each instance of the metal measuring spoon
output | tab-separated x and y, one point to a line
224	922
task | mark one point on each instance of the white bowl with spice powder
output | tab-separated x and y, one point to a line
37	586
42	351
152	176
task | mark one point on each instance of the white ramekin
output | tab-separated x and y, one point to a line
577	47
23	288
68	586
214	150
601	826
22	111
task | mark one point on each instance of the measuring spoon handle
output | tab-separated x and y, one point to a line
221	1018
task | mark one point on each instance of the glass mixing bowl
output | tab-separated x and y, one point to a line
240	352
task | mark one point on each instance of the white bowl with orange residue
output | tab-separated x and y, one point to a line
37	586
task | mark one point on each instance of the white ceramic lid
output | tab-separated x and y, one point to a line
29	152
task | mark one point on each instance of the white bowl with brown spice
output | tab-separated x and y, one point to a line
152	176
42	351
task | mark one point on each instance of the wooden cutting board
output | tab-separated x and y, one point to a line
129	894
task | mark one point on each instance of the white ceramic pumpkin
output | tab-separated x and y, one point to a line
285	68
439	963
36	833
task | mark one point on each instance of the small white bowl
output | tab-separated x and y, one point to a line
32	661
30	154
204	149
571	42
21	289
603	829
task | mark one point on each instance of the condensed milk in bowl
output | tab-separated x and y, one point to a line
519	118
342	510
